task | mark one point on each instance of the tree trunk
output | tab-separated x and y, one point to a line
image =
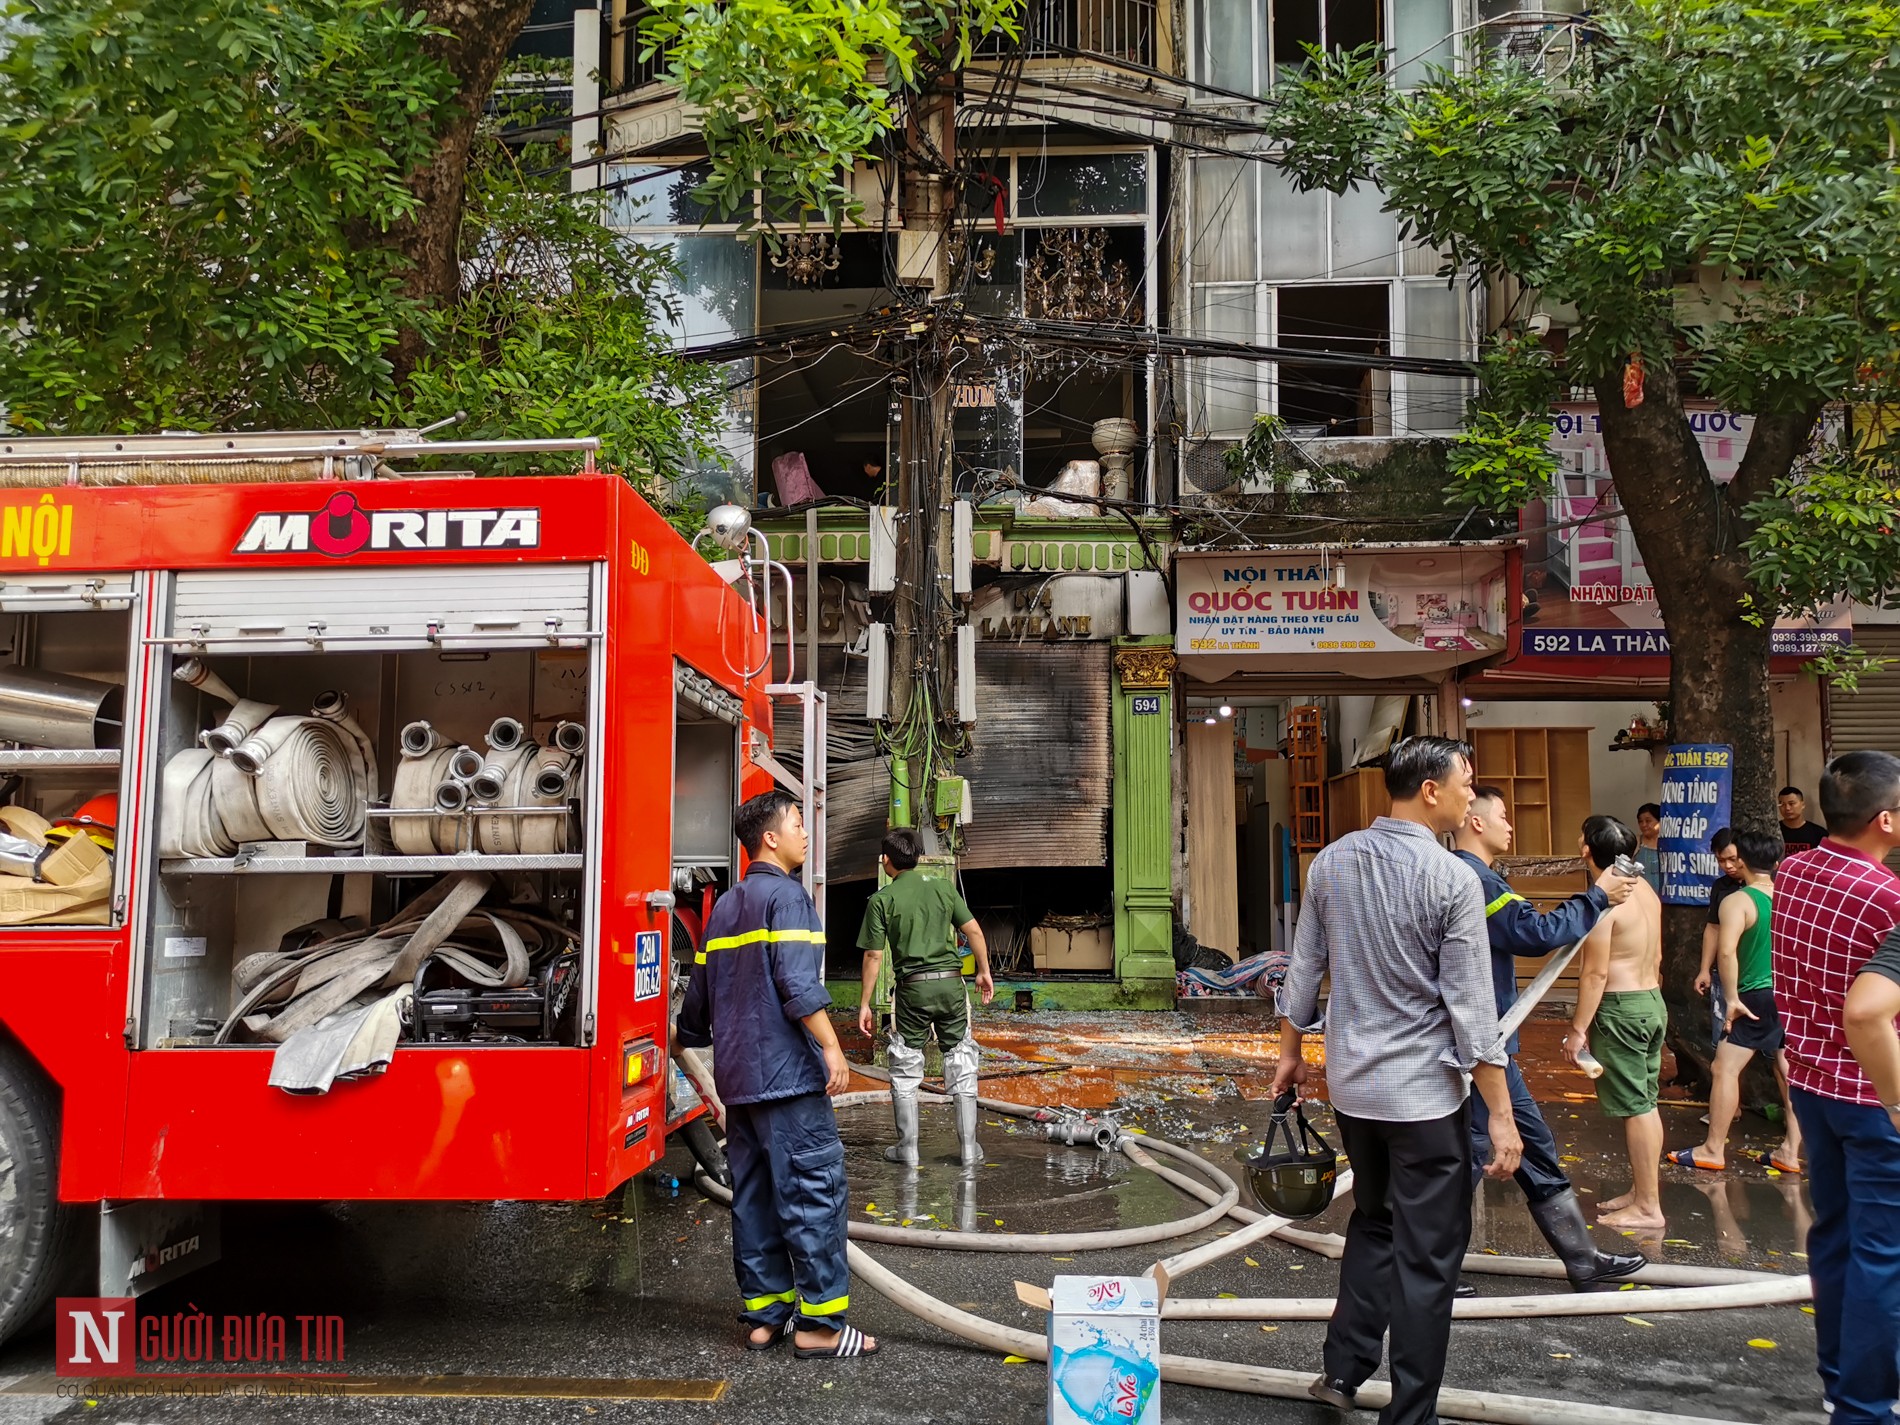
1690	531
481	33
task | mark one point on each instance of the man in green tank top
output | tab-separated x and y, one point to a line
1754	1022
917	919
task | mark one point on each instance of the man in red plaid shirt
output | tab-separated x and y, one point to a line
1833	907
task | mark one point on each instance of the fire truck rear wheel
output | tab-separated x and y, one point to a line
38	1234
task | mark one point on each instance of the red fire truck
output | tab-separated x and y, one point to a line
303	746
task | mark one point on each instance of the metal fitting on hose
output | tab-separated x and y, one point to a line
1082	1132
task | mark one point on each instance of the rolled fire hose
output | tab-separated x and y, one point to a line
300	778
418	774
505	734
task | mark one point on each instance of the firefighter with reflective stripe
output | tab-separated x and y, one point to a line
758	997
918	920
1518	928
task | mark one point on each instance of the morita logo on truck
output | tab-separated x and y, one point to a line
343	527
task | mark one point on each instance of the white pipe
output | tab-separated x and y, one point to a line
1776	1291
1293	1385
1253	1380
1182	1263
195	673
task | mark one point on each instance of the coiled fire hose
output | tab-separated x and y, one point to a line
447	798
262	777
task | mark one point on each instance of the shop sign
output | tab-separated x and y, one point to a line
1586	591
1697	785
1069	609
1296	601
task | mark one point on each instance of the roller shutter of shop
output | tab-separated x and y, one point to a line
1040	773
378	609
1042	765
1870	717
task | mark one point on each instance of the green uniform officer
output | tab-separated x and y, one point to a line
917	919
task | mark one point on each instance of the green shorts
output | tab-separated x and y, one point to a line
1627	1038
943	1005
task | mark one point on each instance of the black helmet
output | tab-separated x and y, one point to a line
1296	1181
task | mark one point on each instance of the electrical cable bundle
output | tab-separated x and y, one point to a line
449	798
259	776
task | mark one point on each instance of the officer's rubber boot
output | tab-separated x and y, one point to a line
904	1150
969	1151
1560	1219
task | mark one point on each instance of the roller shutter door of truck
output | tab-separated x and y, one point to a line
376	609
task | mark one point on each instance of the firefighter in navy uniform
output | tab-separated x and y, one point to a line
1517	928
758	997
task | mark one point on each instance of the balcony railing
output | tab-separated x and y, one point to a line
630	72
1115	29
1051	29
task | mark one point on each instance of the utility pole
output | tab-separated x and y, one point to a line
922	634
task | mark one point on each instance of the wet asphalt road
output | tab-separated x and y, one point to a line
641	1287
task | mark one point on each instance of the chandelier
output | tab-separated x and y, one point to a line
1071	279
806	257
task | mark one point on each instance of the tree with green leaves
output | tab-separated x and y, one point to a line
1709	186
793	93
313	213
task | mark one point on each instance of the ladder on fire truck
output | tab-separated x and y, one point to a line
809	781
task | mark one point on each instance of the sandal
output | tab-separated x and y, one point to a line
1769	1160
778	1338
850	1342
1686	1158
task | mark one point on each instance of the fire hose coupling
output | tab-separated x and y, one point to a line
1079	1130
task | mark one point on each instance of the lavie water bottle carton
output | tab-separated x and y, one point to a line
1104	1348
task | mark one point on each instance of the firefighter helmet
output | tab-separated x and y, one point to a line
1296	1180
97	818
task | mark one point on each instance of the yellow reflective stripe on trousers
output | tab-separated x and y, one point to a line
759	1303
1501	902
824	1308
754	937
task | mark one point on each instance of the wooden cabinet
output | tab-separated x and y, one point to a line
1544	773
1354	799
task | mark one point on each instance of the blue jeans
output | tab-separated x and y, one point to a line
1854	1253
1539	1173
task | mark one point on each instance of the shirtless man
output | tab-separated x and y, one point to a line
1620	1016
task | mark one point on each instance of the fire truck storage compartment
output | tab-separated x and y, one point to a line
66	657
468	696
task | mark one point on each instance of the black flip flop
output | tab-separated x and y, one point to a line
850	1342
777	1338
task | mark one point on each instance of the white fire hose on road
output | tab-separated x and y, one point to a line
1684	1288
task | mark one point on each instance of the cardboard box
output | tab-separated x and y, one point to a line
1054	949
1104	1347
85	902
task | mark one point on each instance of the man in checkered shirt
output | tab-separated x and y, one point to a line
1833	907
